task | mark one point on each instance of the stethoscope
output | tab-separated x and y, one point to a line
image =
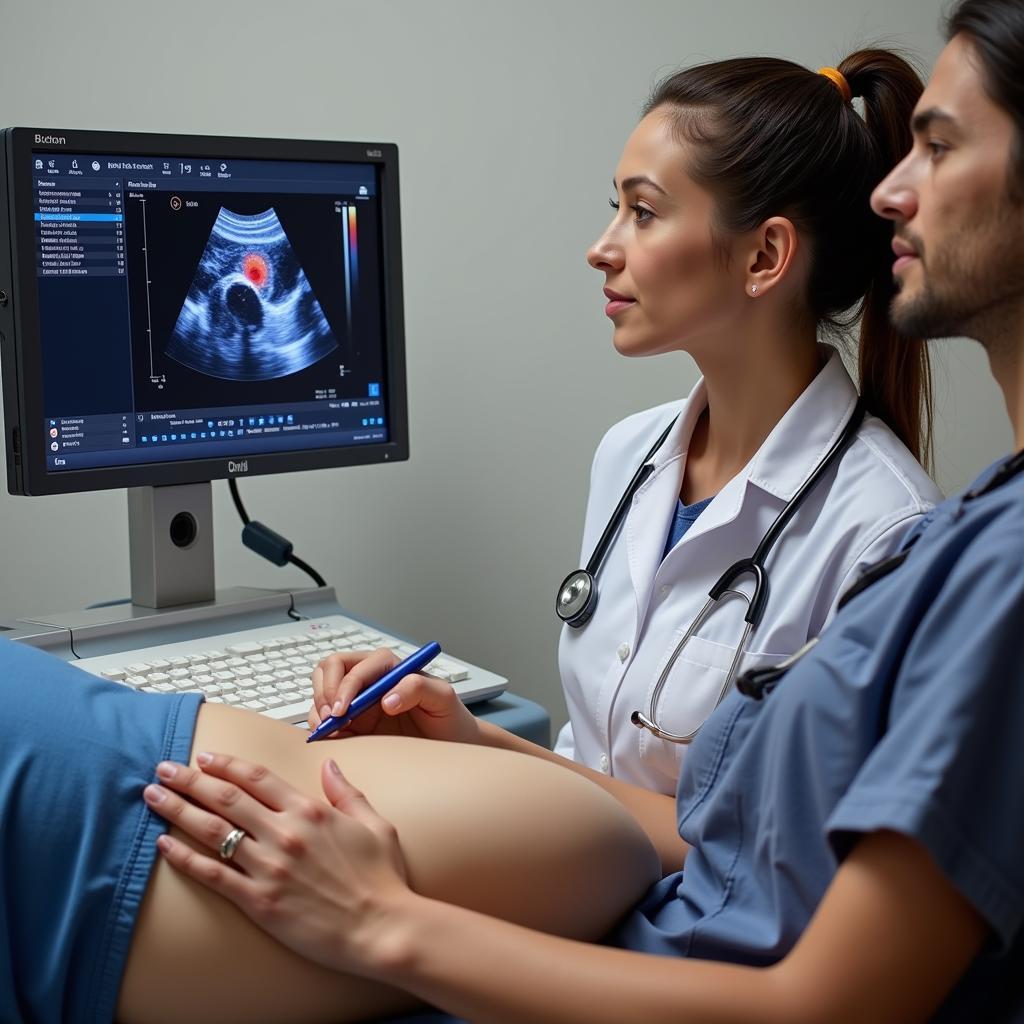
577	594
759	682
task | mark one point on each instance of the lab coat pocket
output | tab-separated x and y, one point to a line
693	688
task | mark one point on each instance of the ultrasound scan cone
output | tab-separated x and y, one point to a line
250	313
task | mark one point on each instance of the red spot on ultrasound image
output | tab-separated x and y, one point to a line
255	269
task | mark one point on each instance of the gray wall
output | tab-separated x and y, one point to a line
509	118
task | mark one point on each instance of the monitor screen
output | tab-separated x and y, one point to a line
189	308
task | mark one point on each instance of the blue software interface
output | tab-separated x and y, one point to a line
195	308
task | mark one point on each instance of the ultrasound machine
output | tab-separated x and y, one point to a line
176	310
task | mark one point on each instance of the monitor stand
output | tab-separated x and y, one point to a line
170	539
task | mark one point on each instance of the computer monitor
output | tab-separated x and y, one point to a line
180	309
177	309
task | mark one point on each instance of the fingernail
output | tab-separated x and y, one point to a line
204	758
392	702
166	770
333	765
325	712
154	794
338	709
163	844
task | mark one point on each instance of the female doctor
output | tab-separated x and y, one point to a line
742	230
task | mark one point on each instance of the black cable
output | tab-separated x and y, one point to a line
265	542
308	570
233	487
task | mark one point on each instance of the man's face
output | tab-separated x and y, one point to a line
958	236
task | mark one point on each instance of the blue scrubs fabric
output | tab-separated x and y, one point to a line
907	715
77	843
685	516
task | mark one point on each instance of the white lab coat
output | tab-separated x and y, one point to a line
854	517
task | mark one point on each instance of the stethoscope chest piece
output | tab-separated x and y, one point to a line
577	597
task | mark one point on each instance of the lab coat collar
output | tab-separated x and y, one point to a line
678	439
810	426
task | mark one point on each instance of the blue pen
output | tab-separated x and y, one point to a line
372	694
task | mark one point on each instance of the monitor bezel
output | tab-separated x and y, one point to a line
21	352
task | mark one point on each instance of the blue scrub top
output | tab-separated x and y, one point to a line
908	715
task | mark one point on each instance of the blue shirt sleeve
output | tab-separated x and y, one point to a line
948	770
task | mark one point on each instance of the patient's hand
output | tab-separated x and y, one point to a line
325	880
419	705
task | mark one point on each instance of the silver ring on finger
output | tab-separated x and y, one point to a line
230	843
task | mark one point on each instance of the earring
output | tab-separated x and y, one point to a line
753	289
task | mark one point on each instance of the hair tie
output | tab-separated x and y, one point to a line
838	79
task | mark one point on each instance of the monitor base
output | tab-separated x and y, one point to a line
89	632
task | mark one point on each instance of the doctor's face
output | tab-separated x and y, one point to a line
959	216
667	283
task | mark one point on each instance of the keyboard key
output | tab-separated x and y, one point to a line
115	674
243	650
156	678
453	673
291	713
254	705
140	668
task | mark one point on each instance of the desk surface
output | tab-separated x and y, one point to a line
517	714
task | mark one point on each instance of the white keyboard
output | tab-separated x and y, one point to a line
268	669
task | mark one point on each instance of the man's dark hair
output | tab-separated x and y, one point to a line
996	31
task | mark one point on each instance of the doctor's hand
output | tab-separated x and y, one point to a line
324	879
420	705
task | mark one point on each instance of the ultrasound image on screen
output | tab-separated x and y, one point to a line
250	313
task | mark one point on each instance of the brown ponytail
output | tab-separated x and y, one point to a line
773	138
895	372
